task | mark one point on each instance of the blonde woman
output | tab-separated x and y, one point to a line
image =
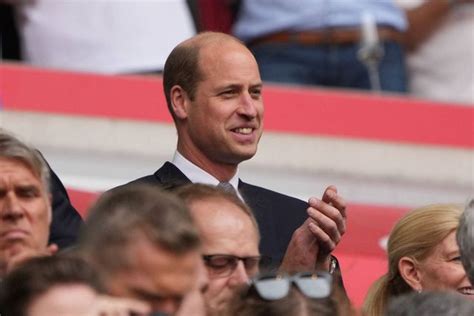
422	255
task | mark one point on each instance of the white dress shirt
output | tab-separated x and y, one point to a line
197	175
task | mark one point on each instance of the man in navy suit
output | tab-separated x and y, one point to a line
214	93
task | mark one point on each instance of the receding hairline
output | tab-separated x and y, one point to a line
219	200
208	39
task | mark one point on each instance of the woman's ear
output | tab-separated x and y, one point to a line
179	101
410	272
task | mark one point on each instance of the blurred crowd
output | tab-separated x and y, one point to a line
195	249
425	48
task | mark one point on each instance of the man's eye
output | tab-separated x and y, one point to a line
458	258
27	193
256	93
228	93
219	262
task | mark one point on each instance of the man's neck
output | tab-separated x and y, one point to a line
220	171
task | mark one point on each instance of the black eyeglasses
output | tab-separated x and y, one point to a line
276	286
224	265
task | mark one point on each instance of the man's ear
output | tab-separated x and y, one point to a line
410	272
179	101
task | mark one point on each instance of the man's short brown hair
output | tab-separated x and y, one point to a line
38	275
134	211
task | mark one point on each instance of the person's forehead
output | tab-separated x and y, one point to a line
68	299
219	211
224	226
449	244
18	169
447	247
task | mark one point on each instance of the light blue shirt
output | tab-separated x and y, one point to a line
262	17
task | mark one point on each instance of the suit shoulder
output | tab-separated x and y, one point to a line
150	180
276	197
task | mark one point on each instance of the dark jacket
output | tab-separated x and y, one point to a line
277	215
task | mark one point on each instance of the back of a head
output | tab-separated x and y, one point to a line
295	304
431	304
36	276
465	240
414	236
136	211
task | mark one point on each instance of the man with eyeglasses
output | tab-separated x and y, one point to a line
230	238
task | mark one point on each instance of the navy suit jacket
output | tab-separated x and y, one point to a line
277	215
66	221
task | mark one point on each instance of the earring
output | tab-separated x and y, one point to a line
419	291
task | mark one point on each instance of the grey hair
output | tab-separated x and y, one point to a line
12	148
431	304
465	239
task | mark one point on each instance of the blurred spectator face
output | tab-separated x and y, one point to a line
226	232
193	303
443	269
65	300
156	276
25	210
224	121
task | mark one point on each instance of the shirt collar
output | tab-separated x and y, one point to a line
197	175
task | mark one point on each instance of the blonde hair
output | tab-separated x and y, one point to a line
415	235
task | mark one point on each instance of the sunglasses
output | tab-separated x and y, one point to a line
275	286
224	265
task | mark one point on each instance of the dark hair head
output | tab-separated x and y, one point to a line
249	303
182	65
134	211
36	276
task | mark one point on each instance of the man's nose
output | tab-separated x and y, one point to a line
11	208
248	106
239	276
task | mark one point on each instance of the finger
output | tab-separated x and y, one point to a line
329	190
326	224
326	244
339	203
330	196
328	210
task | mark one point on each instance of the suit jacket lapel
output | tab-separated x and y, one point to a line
256	200
169	176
